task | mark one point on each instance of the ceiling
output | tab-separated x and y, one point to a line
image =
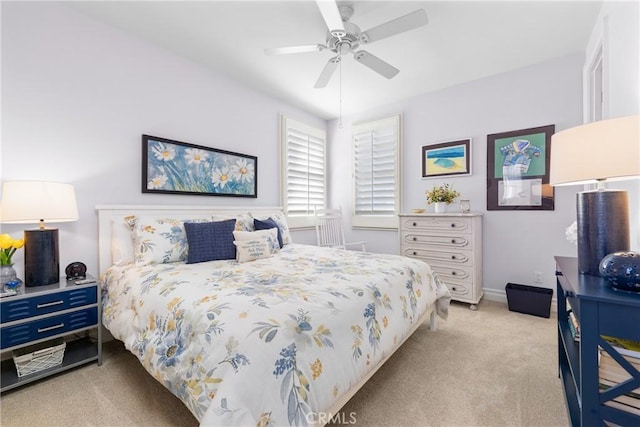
463	41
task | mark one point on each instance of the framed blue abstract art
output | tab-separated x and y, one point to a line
446	158
173	167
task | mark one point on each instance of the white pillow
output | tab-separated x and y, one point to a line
121	243
159	240
251	250
270	235
244	222
281	220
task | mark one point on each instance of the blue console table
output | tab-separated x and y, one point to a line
600	310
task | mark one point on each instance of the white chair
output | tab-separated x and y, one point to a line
330	231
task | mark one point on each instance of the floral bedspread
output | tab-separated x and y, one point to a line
276	340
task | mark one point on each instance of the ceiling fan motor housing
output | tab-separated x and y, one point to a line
346	44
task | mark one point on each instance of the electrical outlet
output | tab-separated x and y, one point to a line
537	276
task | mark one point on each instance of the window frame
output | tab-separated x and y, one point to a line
297	221
390	221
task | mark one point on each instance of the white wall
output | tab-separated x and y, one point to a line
516	243
76	97
618	29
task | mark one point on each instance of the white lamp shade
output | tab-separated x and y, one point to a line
26	202
603	150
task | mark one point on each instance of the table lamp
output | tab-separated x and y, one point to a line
596	152
27	202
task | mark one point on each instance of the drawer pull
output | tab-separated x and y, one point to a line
415	224
49	304
453	225
51	328
453	288
453	240
453	273
415	239
453	257
415	253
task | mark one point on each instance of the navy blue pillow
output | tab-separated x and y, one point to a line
210	241
267	224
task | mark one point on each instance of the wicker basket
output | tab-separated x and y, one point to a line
40	356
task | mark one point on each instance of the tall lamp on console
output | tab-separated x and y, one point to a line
29	202
606	150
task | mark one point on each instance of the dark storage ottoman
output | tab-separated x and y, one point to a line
529	299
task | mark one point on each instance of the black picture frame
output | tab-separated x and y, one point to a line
175	167
451	158
518	169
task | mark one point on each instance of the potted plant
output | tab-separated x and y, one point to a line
441	196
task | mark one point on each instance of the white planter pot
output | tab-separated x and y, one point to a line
440	207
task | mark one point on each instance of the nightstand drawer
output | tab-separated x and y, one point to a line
43	328
16	309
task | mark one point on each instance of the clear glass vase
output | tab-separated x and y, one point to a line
9	278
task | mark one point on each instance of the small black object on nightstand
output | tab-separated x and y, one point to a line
76	270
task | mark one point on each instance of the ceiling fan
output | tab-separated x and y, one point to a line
345	37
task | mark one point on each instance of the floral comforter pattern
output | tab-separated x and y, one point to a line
276	340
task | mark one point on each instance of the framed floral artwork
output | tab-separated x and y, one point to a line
518	170
174	167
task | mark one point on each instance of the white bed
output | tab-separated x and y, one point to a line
287	338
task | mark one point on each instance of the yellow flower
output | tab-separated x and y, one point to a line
8	247
5	241
444	193
316	369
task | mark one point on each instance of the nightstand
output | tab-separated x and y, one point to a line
42	313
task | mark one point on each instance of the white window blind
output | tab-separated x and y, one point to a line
377	172
303	160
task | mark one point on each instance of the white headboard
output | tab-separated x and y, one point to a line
112	214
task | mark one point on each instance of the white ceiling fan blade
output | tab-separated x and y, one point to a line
399	25
331	15
327	72
294	49
376	64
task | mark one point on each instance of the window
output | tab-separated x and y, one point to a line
303	150
377	172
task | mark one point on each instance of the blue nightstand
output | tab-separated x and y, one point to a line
42	313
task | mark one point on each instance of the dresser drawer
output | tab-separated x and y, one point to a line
451	257
47	327
16	309
454	272
428	239
438	223
458	289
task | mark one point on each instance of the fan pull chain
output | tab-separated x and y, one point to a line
340	125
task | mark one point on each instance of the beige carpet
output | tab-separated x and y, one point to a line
490	367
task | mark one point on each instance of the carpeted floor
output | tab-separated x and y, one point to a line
490	367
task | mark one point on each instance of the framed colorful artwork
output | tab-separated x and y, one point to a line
446	158
518	169
173	167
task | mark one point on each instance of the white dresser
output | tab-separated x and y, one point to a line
451	243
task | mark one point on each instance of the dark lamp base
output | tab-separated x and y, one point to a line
41	259
603	227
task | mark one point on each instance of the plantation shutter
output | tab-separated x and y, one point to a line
376	172
304	169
